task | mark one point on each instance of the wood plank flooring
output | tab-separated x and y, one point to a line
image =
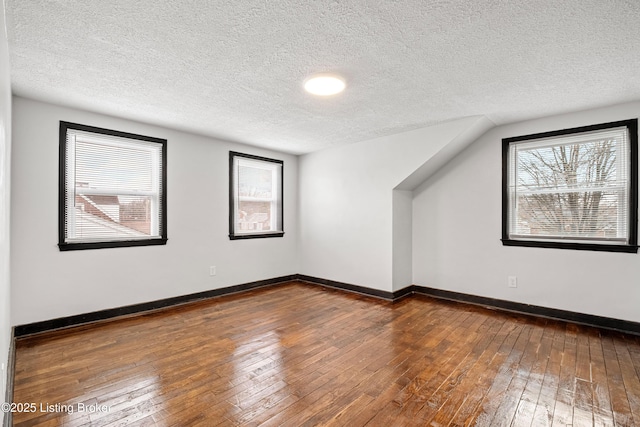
302	355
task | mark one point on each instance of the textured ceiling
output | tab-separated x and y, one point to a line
234	69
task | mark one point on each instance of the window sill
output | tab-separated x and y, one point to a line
255	236
114	244
575	246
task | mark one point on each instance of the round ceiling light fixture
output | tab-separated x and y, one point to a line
324	84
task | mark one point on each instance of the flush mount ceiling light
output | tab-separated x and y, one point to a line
324	84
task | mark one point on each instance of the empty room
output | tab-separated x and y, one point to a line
336	213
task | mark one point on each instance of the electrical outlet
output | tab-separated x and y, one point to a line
212	270
512	281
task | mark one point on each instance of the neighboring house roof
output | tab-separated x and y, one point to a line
101	206
101	227
102	200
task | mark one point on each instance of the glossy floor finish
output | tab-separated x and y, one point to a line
298	354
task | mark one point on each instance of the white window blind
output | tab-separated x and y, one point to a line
571	188
112	188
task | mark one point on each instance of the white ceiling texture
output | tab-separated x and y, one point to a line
234	69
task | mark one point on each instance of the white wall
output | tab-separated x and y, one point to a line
48	284
346	201
5	160
402	239
457	231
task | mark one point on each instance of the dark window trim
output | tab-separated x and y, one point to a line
632	247
232	234
64	246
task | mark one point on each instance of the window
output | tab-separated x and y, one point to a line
255	197
112	189
574	188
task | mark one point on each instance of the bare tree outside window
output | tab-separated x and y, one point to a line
570	190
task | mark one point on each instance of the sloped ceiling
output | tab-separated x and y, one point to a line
234	69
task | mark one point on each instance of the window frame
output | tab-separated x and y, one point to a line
590	245
279	201
64	245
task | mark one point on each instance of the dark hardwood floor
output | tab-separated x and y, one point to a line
303	355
